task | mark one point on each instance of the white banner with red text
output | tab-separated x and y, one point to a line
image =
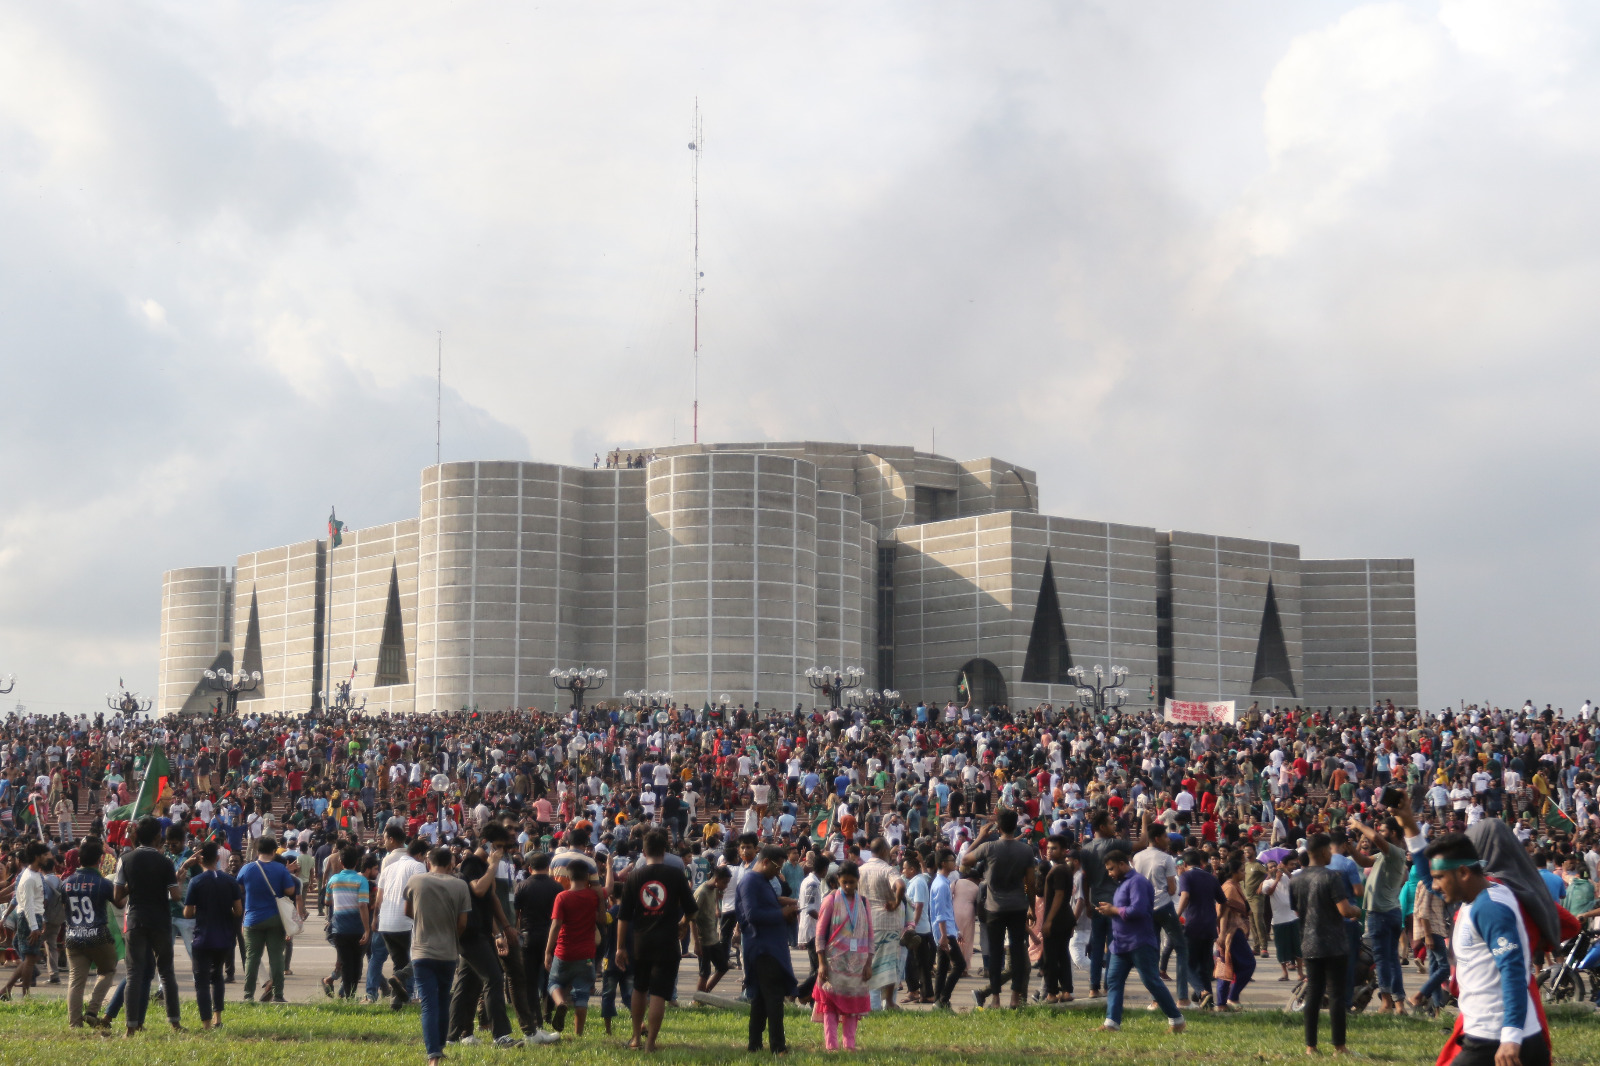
1185	712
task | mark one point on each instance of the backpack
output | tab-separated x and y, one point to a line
55	902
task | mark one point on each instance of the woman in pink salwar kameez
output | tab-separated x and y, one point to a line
844	960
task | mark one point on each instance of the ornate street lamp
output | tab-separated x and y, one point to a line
834	683
578	682
126	702
342	702
231	685
879	699
1098	693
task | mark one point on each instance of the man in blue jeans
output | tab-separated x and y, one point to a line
1098	889
438	904
1133	942
1389	865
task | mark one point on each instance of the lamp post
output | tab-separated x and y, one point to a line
127	703
1098	693
578	682
342	702
230	685
9	682
834	683
880	699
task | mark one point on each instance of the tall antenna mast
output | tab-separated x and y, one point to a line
438	398
695	146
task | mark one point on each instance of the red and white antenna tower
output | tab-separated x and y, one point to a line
695	146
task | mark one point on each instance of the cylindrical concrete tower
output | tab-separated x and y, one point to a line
732	599
196	611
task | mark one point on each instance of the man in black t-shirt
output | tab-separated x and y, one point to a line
478	970
1059	922
1321	897
148	884
535	903
657	904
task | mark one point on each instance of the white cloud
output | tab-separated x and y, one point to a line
1362	236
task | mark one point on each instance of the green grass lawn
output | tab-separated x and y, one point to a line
327	1033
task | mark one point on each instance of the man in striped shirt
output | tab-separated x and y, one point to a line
349	921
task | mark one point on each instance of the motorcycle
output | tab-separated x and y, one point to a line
1562	981
1366	986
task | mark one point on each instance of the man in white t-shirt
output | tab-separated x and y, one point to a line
1285	922
393	925
1156	865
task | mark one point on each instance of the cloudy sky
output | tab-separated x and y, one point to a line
1320	272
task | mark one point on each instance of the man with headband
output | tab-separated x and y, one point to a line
1500	1021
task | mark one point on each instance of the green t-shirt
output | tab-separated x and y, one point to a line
1580	896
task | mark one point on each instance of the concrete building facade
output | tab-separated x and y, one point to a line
729	569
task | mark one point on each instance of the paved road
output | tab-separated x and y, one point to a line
314	958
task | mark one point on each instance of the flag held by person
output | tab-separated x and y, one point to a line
156	786
1556	818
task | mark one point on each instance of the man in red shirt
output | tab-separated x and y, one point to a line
569	950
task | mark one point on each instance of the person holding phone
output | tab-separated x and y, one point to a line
1386	876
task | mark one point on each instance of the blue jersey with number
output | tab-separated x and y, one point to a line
87	895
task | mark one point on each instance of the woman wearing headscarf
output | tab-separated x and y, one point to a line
844	959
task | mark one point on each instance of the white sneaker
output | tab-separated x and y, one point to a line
542	1037
469	1040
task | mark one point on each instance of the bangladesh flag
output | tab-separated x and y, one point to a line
155	787
335	530
963	689
826	825
1556	818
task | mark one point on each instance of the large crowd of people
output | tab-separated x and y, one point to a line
512	865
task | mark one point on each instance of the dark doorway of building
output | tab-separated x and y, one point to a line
1274	674
987	684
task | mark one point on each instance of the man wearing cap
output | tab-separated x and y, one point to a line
1500	1021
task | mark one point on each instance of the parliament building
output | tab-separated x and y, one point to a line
716	570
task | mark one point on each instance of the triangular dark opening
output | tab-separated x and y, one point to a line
250	662
1274	675
1048	658
392	650
203	698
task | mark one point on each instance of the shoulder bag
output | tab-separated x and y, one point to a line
287	913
